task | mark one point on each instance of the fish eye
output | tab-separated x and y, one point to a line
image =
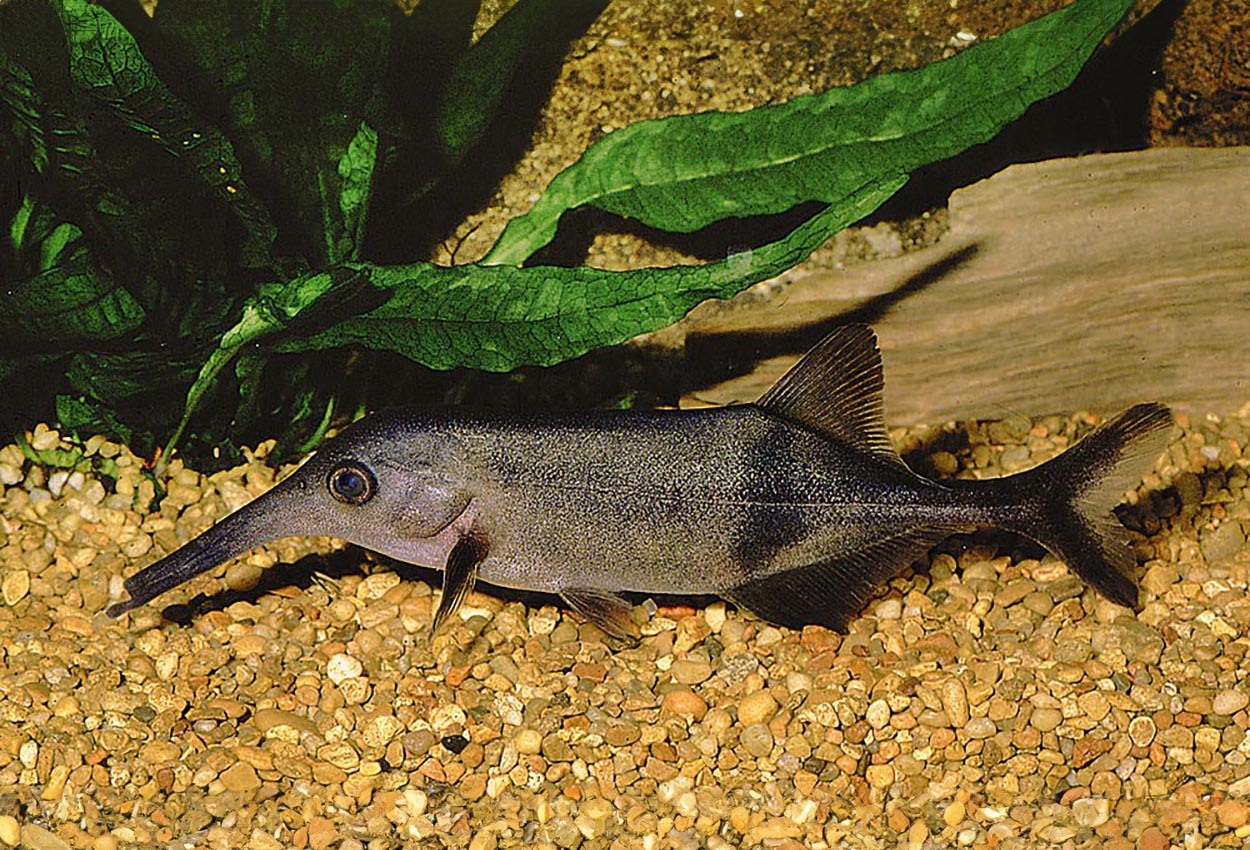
351	483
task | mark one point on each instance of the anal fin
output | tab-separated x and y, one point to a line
605	609
831	593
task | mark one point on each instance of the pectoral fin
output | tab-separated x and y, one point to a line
831	593
458	578
607	610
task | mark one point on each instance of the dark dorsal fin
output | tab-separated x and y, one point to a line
836	390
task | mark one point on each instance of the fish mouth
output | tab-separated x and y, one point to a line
255	524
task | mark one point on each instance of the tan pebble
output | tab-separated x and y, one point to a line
1233	814
10	831
484	840
267	719
953	815
528	741
1152	838
740	819
756	707
341	755
355	691
1141	731
240	776
880	775
107	841
243	576
689	672
35	837
56	783
878	714
685	702
1091	812
1094	704
918	832
15	586
1230	702
321	833
160	752
1046	719
774	828
44	438
954	701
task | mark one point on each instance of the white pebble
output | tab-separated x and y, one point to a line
342	667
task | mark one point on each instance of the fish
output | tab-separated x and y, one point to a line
796	507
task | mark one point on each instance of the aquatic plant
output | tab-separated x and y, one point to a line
194	197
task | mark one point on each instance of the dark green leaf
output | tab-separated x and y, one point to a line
292	84
500	317
531	32
86	418
17	92
73	302
683	173
105	61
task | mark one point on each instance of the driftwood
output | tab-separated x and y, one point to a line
1077	284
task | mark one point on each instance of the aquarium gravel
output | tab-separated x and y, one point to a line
988	698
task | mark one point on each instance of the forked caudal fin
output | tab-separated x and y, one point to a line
1074	494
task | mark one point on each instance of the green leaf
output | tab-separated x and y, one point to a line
73	302
17	92
105	61
499	317
531	32
86	418
345	235
292	83
683	173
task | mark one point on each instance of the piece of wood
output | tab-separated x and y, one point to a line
1077	284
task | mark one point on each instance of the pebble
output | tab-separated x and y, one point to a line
1141	730
35	837
1090	812
954	813
1046	719
240	776
15	586
690	672
954	701
10	831
685	702
1152	838
878	714
342	667
757	739
756	707
1230	702
1233	814
880	776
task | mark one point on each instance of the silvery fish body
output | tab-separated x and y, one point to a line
796	507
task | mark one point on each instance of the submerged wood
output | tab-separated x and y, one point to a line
1078	284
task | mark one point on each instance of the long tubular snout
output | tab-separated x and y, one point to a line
258	522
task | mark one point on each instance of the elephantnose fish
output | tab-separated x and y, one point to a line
796	507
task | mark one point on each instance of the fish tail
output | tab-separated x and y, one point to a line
1071	498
